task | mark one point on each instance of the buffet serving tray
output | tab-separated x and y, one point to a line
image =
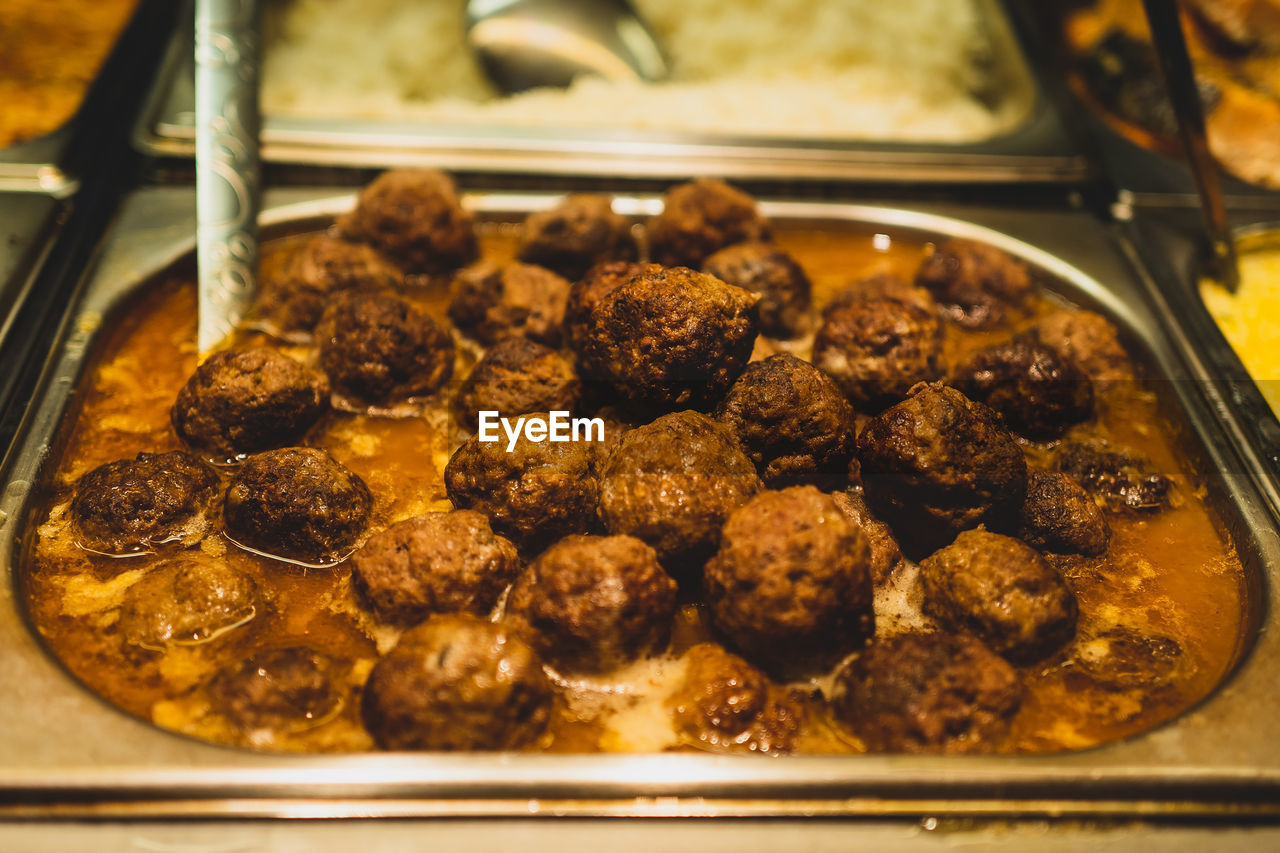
64	752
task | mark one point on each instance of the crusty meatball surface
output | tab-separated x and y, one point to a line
1037	392
594	285
414	217
1058	515
243	401
278	691
882	286
594	603
132	504
791	420
877	349
1123	479
457	682
1090	340
700	217
492	302
321	267
886	554
977	285
673	482
298	503
441	562
186	601
928	693
380	349
1003	592
791	583
724	703
938	463
771	272
579	232
515	377
669	337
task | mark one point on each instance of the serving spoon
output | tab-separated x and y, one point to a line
524	44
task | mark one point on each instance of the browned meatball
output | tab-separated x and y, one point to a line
442	562
492	302
976	284
132	504
769	271
457	682
724	703
700	217
585	293
928	693
379	349
1038	392
938	463
1090	341
185	601
277	691
791	420
297	503
579	232
1123	658
319	268
882	286
876	349
885	552
415	219
243	401
669	337
1122	478
1003	592
537	492
517	376
594	603
791	583
1059	516
673	483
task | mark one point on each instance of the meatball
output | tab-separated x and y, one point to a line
1122	658
185	601
885	552
1090	341
243	401
415	219
882	286
673	483
379	349
769	271
670	337
1038	392
1059	516
517	376
791	583
877	349
701	217
938	463
1003	592
791	420
322	266
457	682
1122	479
594	603
585	293
976	284
579	232
278	690
442	562
297	503
534	493
724	703
492	302
927	693
132	504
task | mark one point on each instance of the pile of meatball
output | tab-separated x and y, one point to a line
779	492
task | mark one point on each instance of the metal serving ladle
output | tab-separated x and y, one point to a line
524	44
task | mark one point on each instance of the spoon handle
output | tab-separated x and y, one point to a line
1175	63
227	164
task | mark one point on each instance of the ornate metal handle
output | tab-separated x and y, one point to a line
227	164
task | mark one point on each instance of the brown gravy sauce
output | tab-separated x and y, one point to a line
1171	573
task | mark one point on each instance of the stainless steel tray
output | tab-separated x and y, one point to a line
1038	150
64	752
28	226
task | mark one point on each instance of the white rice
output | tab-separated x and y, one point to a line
853	69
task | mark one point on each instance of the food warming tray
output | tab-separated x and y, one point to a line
64	752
